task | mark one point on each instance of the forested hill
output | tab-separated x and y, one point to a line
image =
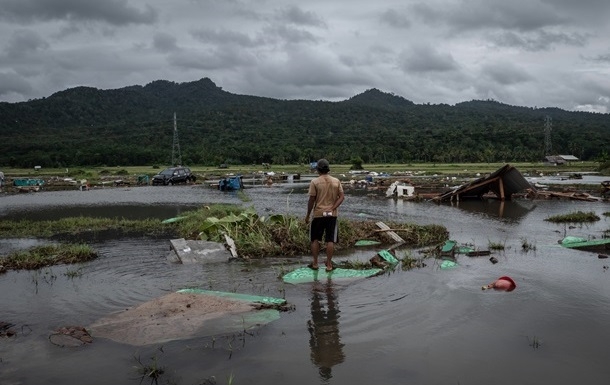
134	126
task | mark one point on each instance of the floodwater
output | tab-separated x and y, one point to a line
422	326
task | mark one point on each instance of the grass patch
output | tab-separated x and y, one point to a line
496	246
575	217
606	214
535	342
408	262
71	273
78	225
526	245
353	265
49	255
150	371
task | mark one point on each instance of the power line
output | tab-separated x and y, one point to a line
176	156
548	145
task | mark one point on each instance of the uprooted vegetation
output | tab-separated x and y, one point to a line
255	236
282	235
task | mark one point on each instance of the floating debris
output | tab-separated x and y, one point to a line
5	329
503	284
71	337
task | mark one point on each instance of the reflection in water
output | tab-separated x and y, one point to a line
512	210
324	341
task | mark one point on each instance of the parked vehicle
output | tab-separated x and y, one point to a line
173	175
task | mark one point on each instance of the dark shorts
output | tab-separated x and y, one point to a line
326	226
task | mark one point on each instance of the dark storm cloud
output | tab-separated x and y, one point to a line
24	42
505	73
424	58
12	83
539	40
115	12
604	58
530	25
297	16
395	19
582	12
521	15
225	58
514	15
288	34
223	36
532	52
164	42
587	93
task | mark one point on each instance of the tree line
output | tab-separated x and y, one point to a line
134	126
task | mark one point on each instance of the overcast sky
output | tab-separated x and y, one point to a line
535	53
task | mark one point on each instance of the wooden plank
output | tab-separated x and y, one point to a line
392	234
478	253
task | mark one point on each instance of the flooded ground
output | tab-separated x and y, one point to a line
423	326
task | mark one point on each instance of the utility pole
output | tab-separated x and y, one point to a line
176	156
548	145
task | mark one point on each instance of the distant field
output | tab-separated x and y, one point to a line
463	169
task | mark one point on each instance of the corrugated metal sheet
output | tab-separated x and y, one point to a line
504	182
554	159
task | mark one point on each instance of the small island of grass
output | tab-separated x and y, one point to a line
47	255
575	217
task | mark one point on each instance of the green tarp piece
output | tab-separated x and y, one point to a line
464	250
237	296
577	243
385	254
172	220
243	320
448	246
446	264
367	242
305	274
567	241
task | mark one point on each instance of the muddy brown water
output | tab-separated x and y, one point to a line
423	326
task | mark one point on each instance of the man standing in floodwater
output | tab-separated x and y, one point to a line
325	197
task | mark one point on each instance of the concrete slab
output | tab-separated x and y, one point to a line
189	251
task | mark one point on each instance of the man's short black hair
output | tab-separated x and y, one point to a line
323	166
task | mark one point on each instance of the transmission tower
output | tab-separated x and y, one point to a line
176	156
548	145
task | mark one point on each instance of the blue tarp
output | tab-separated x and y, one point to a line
230	184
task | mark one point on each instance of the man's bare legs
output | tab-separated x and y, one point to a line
315	250
330	250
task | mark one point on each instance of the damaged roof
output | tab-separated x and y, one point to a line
504	182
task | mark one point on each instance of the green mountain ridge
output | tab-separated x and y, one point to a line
134	126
